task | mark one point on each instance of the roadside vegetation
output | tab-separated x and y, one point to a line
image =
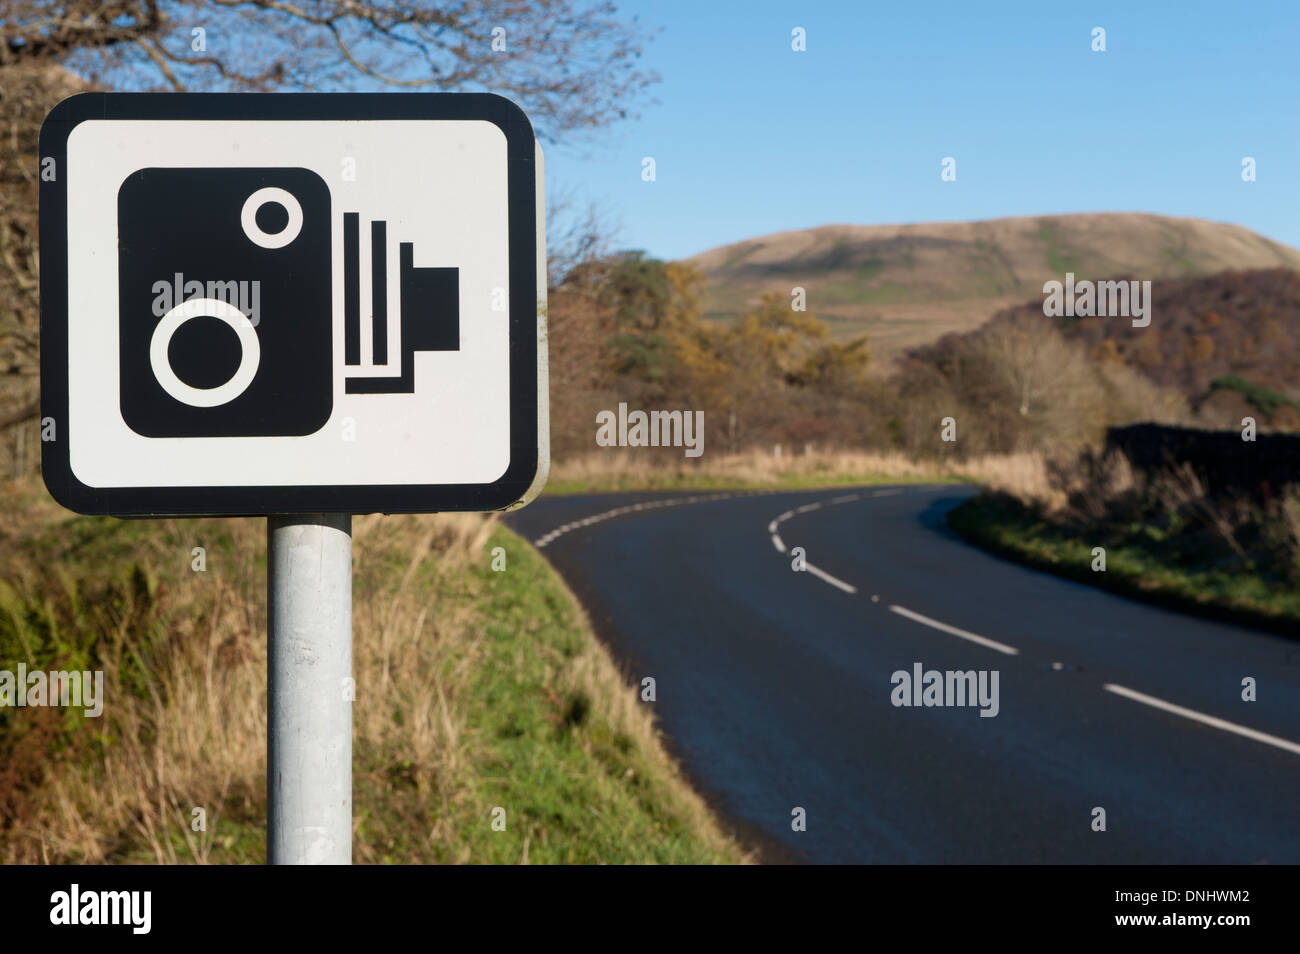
1166	537
610	470
475	690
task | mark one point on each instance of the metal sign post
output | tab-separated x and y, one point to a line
309	689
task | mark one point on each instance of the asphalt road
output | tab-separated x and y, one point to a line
776	686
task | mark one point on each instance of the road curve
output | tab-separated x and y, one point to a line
776	686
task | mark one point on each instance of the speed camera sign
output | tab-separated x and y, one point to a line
257	304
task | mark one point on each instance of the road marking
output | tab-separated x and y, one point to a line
885	493
548	538
1292	747
823	575
954	631
814	570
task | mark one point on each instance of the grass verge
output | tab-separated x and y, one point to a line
1138	563
475	690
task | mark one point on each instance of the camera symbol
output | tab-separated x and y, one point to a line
225	303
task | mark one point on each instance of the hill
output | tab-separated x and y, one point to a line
1228	342
907	285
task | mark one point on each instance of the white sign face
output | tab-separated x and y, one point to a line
292	303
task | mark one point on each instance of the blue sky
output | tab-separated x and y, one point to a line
750	137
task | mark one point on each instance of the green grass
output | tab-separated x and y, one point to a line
1177	258
1059	258
869	269
1264	400
573	785
742	253
1141	561
857	291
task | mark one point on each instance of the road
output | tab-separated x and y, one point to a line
776	687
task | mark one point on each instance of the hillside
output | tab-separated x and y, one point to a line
1229	343
906	285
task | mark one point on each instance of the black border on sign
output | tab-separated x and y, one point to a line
519	476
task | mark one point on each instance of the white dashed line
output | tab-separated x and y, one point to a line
814	570
823	575
1241	730
954	631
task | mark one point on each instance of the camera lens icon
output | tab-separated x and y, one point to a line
259	200
250	348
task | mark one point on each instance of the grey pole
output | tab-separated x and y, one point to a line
309	689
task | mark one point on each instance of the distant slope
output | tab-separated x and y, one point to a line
909	284
1229	342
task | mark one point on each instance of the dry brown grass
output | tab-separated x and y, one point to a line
1084	488
197	736
1024	475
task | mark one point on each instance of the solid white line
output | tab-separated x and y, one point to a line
1292	747
823	575
953	630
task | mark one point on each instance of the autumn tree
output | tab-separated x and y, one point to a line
773	372
654	306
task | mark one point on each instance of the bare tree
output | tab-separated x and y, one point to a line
577	234
27	91
571	64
